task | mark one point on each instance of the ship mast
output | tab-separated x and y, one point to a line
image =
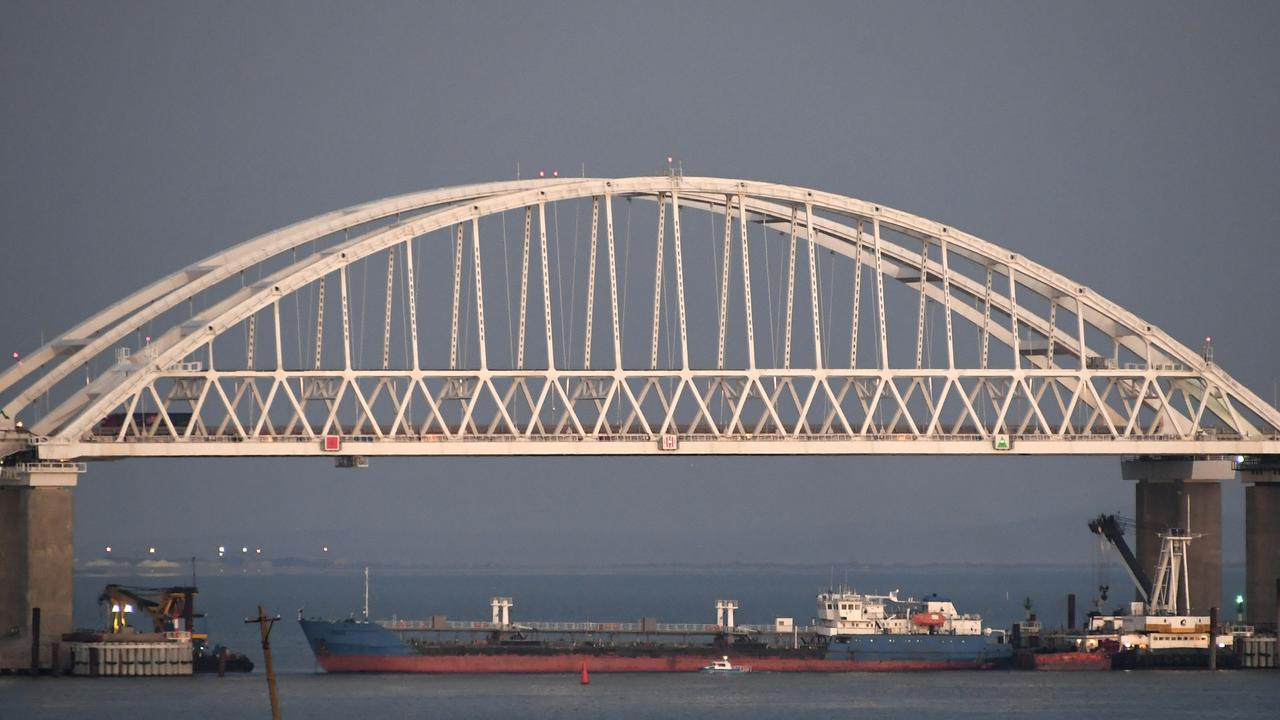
1172	582
366	592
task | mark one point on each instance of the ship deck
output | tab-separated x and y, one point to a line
441	625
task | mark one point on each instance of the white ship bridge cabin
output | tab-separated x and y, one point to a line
845	612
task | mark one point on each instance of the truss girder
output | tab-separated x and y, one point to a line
1064	384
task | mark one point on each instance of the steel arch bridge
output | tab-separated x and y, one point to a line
627	316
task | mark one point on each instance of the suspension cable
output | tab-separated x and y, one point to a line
573	278
364	305
297	311
555	220
768	285
466	315
626	269
506	264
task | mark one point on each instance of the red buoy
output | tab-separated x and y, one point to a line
586	679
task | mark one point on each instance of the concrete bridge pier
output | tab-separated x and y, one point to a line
1160	502
35	559
1261	541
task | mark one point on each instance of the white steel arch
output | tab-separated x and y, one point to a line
1047	366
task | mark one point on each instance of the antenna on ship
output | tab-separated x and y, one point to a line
366	592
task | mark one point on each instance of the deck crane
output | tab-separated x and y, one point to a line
163	606
170	609
1112	528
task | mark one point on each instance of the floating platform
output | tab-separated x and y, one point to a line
135	655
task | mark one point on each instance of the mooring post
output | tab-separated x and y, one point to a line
35	641
1213	638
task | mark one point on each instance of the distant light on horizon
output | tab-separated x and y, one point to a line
326	548
108	548
244	549
151	550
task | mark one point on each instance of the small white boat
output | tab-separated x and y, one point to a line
723	666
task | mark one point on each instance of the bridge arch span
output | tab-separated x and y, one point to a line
721	316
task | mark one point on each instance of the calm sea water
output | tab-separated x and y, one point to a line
996	593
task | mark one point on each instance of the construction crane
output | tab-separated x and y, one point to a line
165	606
170	609
1112	528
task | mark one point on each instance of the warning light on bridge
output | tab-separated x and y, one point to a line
332	443
1002	442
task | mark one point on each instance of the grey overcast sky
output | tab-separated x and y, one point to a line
1134	147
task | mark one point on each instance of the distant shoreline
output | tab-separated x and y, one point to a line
299	566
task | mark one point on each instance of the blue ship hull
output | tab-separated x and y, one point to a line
974	649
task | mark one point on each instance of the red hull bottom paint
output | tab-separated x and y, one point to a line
571	663
1064	661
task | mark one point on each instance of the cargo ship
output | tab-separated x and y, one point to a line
851	632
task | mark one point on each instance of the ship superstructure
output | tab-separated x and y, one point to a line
845	612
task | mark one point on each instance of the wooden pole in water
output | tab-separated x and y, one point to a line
35	641
264	627
1213	638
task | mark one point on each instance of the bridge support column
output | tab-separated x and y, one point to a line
1261	541
35	559
1160	502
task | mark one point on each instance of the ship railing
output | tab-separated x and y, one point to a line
587	627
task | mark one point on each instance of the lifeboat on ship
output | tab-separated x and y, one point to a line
929	619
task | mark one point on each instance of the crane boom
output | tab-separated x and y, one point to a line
1109	527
